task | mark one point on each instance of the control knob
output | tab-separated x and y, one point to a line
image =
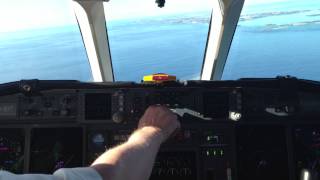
119	117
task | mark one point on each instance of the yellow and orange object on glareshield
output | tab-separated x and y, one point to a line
158	78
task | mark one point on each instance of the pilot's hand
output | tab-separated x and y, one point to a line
161	118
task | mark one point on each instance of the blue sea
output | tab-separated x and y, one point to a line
270	40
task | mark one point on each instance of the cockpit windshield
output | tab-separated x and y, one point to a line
276	38
41	39
145	39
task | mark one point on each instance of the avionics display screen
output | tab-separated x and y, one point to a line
216	104
55	148
12	150
97	106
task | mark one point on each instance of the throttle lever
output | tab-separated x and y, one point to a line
181	111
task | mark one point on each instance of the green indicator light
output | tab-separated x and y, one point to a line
214	152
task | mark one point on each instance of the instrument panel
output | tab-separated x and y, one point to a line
12	144
230	130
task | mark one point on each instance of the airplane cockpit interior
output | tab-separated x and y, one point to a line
241	75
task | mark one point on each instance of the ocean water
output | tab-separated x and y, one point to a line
52	53
278	39
158	46
260	53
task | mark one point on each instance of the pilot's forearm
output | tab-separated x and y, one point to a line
132	160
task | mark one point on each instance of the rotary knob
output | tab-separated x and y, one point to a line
119	117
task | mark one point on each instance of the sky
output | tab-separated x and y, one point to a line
18	15
135	8
25	14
